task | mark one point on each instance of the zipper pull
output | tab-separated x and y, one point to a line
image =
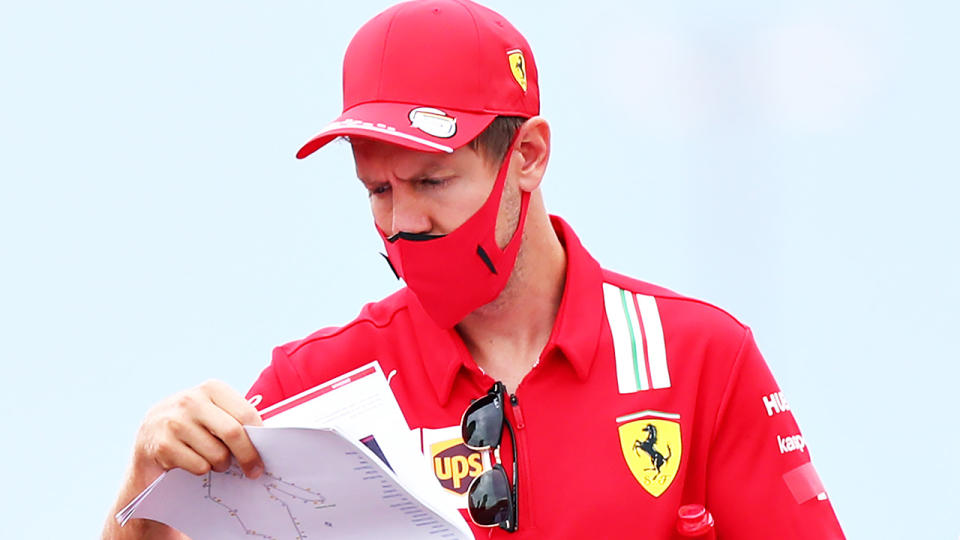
517	415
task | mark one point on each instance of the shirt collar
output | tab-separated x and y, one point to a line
576	331
575	334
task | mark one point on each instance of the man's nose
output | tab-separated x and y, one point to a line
409	216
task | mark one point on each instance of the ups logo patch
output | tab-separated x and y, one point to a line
651	445
455	465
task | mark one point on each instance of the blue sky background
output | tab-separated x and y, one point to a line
794	163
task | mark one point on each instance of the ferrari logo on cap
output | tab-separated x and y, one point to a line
518	66
650	441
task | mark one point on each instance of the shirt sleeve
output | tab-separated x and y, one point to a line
760	480
276	382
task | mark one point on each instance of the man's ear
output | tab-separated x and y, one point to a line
531	153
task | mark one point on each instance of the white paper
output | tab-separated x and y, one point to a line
360	404
318	483
320	480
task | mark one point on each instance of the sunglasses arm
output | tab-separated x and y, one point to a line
516	479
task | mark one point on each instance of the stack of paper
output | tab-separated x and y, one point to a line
318	482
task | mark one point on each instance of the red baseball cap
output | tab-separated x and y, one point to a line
430	75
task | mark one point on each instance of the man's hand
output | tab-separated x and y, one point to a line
197	430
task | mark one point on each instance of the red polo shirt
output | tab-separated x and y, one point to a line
642	401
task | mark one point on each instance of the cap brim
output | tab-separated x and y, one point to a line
391	123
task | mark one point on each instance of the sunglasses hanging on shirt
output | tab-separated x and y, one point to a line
491	497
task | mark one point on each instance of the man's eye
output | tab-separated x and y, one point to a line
432	182
380	189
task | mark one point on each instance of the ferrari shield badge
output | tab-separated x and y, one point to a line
651	446
518	67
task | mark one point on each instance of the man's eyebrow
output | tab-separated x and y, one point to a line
430	170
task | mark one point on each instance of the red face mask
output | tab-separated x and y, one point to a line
456	273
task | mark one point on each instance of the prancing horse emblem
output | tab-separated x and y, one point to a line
652	448
657	460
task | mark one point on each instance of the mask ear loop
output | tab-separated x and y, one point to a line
500	185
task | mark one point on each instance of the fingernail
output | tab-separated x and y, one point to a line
255	471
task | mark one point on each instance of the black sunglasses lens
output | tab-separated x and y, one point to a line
489	498
483	423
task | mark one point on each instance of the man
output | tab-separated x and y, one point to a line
626	400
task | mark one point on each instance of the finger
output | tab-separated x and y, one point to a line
233	403
172	453
230	431
206	445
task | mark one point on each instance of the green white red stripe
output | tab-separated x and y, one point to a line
638	346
